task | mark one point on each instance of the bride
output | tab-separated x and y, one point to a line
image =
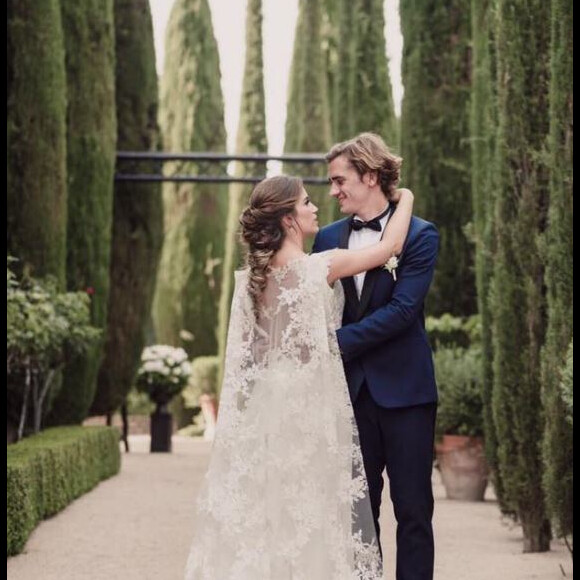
285	495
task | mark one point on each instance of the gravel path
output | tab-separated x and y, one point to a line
138	526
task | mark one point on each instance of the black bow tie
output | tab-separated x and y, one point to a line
374	224
357	224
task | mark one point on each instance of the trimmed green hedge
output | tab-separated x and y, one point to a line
46	472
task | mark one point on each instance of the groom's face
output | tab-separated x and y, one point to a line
352	191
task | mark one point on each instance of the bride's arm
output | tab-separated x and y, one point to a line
345	263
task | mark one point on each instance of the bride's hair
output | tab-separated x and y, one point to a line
262	231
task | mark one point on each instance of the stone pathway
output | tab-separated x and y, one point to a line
138	526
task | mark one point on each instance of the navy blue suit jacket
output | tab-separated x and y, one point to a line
383	339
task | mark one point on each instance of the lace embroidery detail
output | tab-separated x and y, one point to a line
285	497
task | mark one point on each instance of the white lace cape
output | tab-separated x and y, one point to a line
285	497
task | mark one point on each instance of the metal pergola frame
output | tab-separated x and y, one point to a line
159	158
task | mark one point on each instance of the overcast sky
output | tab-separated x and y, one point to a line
279	23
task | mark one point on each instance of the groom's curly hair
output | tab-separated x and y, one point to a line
368	153
262	231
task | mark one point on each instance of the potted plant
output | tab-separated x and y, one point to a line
163	373
459	448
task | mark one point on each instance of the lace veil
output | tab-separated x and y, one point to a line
285	497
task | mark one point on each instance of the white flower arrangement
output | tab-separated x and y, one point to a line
391	266
164	371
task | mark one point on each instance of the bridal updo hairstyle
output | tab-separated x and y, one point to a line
368	153
262	231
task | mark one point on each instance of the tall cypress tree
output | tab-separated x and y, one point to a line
483	132
559	262
192	119
36	137
518	302
342	62
137	210
373	98
361	95
308	113
91	142
435	139
251	138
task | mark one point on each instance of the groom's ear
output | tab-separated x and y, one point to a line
372	178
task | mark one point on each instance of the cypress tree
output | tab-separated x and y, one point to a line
331	47
36	137
483	130
435	139
91	144
192	119
340	50
308	113
361	96
518	302
137	209
251	138
558	257
373	96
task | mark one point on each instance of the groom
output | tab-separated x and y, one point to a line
387	358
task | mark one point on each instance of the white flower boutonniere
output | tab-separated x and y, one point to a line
391	266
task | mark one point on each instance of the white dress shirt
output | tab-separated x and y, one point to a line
362	239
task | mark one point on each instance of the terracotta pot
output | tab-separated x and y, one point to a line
464	470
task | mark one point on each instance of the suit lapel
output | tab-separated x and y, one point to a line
352	302
371	279
369	283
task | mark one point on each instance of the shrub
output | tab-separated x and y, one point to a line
44	327
203	380
46	472
458	375
449	331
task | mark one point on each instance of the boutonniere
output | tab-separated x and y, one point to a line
391	266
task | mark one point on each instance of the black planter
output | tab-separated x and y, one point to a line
161	429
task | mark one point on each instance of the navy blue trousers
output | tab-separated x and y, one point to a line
401	441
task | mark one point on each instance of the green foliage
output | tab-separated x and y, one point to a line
137	210
435	140
36	138
518	300
340	44
203	380
192	119
373	98
453	331
557	253
45	473
308	114
139	403
91	146
251	138
44	326
458	375
567	384
361	96
483	128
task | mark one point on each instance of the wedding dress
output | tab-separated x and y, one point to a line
285	496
